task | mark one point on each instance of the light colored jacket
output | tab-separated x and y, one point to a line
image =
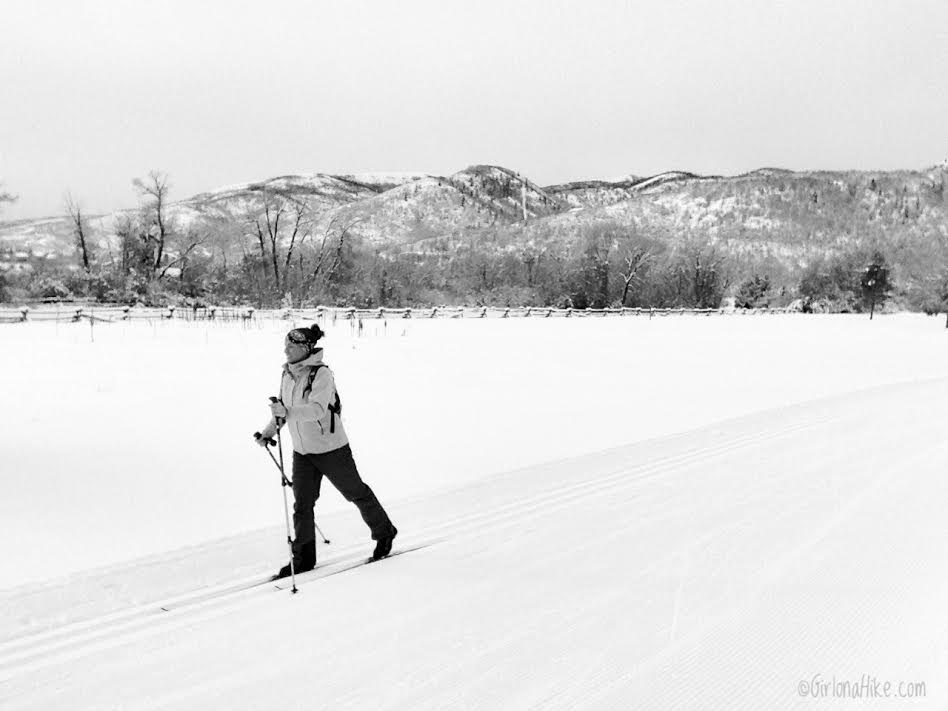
308	418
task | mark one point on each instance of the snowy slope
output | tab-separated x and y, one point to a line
646	536
117	427
715	569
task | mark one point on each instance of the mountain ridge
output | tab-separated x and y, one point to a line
772	220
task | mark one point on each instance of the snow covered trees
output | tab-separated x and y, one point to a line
753	292
846	282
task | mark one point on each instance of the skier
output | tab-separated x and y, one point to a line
309	405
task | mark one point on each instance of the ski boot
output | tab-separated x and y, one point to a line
306	561
383	546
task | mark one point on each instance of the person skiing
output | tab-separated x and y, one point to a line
309	405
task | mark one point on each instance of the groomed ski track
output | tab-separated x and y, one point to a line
712	569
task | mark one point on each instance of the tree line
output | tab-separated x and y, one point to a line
276	248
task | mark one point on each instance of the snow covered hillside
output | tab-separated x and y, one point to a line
683	512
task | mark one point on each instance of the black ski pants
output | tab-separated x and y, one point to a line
339	467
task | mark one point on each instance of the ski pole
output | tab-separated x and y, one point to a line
286	505
287	482
321	534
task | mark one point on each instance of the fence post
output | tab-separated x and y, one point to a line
78	315
24	312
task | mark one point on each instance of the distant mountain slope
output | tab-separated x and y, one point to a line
789	215
598	193
320	190
52	236
475	198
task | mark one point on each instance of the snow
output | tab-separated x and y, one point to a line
662	178
383	178
677	512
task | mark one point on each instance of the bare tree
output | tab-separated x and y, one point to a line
703	272
155	189
124	231
280	219
300	231
635	259
327	255
79	228
221	230
133	241
875	282
273	209
193	238
530	256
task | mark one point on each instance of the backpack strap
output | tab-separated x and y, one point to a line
335	408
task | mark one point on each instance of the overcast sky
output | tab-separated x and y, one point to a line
215	92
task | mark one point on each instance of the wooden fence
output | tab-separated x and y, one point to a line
108	314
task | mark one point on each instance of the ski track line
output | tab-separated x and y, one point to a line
192	597
287	584
565	495
117	622
624	477
158	619
719	611
624	474
19	651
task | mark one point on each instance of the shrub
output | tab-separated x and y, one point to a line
51	288
753	293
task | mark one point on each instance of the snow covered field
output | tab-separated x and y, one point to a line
683	512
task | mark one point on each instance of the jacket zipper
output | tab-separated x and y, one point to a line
296	424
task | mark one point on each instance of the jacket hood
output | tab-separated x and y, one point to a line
314	358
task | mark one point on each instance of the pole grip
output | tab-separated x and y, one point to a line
270	441
279	420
